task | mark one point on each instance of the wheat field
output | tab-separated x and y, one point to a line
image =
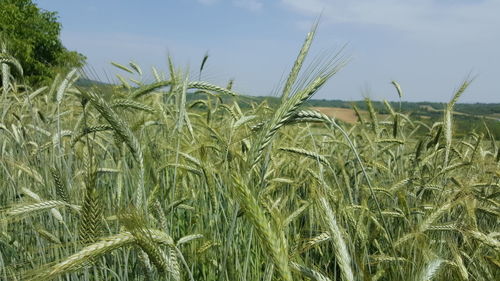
135	181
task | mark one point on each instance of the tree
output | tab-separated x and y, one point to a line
31	36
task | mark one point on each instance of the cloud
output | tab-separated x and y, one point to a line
252	5
429	19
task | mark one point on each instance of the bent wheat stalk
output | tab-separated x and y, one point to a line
105	245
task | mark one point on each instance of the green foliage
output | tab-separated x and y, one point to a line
32	36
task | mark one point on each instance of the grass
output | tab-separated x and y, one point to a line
140	183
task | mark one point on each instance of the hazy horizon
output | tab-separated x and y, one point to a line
429	47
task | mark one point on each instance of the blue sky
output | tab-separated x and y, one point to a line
428	46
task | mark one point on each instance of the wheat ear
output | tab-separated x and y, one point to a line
270	240
125	133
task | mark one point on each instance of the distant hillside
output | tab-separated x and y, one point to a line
476	109
477	117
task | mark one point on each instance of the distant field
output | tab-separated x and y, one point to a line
345	114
